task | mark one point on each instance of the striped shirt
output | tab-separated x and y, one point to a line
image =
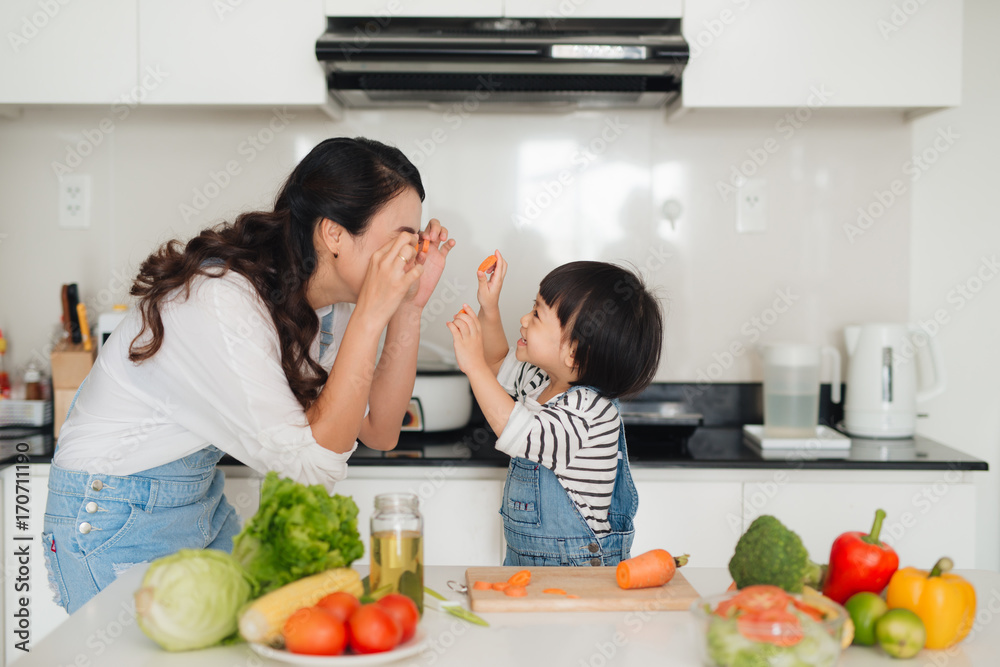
574	434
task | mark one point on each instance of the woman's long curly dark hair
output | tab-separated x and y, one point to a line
345	180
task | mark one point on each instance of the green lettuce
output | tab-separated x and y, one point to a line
299	530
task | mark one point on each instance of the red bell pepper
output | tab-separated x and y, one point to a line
860	562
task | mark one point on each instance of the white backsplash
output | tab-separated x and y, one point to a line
543	188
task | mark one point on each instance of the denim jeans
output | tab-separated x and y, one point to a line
542	525
97	526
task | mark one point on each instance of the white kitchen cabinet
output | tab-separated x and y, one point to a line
242	490
461	516
924	521
854	53
585	9
59	52
44	614
697	518
232	52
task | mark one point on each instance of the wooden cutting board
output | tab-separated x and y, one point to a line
596	587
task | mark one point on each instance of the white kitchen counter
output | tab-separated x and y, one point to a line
104	632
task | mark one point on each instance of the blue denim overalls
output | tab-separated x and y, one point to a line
97	526
542	525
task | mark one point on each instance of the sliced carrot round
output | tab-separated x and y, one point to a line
573	597
488	264
522	578
516	591
500	586
482	586
554	591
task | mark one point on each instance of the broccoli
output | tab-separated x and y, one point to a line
769	553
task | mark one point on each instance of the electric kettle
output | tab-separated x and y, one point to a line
882	379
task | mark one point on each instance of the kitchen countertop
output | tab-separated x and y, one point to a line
708	448
104	632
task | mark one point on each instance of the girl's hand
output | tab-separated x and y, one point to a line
488	292
392	275
468	336
433	260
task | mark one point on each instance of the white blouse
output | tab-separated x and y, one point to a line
216	380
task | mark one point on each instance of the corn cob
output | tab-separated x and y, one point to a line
263	620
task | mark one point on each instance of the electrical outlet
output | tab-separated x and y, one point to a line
74	201
751	214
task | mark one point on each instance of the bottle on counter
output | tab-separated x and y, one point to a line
397	546
33	383
4	377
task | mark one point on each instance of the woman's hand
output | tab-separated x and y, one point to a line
490	284
432	261
392	276
468	336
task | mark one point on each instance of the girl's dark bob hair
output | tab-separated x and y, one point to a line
612	320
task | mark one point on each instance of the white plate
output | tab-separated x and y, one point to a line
415	645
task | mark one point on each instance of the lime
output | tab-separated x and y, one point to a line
865	609
900	633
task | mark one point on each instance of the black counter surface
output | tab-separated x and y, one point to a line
718	444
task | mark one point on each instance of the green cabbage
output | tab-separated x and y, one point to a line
191	599
298	531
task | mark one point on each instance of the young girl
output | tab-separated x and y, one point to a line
593	335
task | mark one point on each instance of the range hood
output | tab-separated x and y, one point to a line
536	63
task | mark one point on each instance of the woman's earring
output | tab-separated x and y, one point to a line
336	255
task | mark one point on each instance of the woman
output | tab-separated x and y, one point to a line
244	343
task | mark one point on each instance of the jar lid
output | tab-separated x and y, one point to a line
32	375
385	501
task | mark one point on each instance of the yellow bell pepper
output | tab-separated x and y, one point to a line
945	602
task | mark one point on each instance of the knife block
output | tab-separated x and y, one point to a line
70	366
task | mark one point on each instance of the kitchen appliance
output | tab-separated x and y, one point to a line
791	388
882	379
466	63
595	586
442	397
107	322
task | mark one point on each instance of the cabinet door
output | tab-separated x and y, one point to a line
242	492
923	522
230	52
461	520
854	53
582	9
60	52
390	8
697	518
45	614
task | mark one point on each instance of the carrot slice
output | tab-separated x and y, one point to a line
573	597
522	578
653	568
500	586
554	591
488	264
482	586
516	591
426	245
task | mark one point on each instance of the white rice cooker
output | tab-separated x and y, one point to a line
442	397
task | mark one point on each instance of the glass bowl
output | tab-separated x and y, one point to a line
767	627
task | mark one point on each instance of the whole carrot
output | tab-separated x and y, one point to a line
653	568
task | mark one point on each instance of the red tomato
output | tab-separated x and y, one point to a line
340	604
404	610
773	626
372	629
315	631
761	598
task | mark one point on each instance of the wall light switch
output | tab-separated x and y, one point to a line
74	201
751	213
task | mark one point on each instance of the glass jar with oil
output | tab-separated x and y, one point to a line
397	553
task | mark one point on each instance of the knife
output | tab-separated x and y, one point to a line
65	308
81	314
74	322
